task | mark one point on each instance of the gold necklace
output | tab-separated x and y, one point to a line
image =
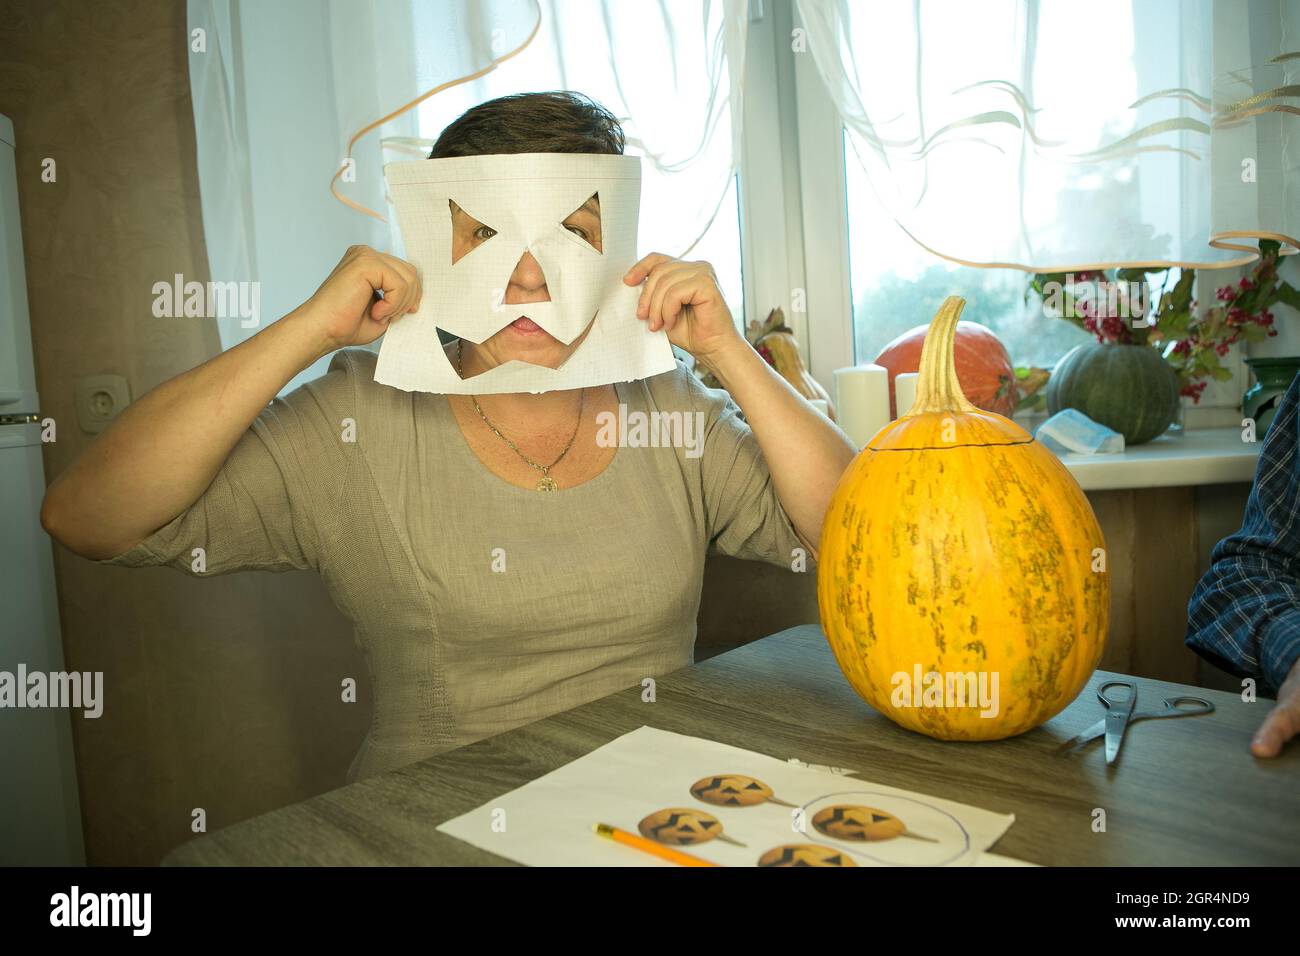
546	482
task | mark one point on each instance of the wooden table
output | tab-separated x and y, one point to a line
1184	791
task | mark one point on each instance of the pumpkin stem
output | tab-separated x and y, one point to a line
937	388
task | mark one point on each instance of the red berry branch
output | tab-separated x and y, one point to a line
1115	307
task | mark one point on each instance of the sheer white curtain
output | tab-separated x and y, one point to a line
671	71
281	88
1052	135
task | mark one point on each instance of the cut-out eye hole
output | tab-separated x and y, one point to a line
584	222
467	233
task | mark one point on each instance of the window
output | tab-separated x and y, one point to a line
896	285
866	280
721	247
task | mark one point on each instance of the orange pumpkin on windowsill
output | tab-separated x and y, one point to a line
984	367
957	545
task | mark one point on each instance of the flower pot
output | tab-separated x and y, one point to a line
1273	377
1130	389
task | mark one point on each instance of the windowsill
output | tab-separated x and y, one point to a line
1197	456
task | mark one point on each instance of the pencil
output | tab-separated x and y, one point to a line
649	846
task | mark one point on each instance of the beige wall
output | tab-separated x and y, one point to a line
221	693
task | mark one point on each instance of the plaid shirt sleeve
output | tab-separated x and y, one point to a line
1244	615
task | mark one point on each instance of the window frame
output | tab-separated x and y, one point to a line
793	147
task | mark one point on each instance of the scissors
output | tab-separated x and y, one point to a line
1119	714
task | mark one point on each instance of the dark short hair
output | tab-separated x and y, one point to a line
557	121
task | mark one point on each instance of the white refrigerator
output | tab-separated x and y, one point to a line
40	815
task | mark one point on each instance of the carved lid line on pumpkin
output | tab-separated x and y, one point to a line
955	445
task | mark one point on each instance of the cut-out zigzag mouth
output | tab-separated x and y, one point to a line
449	338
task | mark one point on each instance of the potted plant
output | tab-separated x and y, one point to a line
1148	355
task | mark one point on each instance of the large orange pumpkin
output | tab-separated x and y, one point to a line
959	552
984	368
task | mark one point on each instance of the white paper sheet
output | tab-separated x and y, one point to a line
549	822
525	198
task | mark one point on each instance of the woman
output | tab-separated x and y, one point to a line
480	603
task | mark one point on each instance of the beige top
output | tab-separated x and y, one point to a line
480	605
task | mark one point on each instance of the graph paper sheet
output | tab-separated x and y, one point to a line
726	805
524	199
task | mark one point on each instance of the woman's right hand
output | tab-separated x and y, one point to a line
348	309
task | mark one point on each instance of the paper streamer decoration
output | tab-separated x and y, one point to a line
862	401
455	81
905	391
524	198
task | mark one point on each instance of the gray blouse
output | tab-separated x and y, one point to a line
480	605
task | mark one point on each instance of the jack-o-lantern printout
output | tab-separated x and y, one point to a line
523	199
727	806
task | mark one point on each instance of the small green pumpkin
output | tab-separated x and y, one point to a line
1128	388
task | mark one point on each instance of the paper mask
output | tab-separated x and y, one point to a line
525	198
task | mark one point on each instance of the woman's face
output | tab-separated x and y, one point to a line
523	339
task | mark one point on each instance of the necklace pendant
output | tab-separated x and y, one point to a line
547	483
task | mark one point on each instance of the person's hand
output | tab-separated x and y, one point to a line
348	308
684	300
1283	721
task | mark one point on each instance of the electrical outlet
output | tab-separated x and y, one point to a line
100	399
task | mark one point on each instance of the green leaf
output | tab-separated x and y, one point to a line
1040	280
1288	294
1137	274
1174	324
1205	361
1180	296
1035	402
1248	299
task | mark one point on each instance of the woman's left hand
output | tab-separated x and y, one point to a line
684	300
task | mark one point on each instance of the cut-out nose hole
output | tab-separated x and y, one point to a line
531	279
